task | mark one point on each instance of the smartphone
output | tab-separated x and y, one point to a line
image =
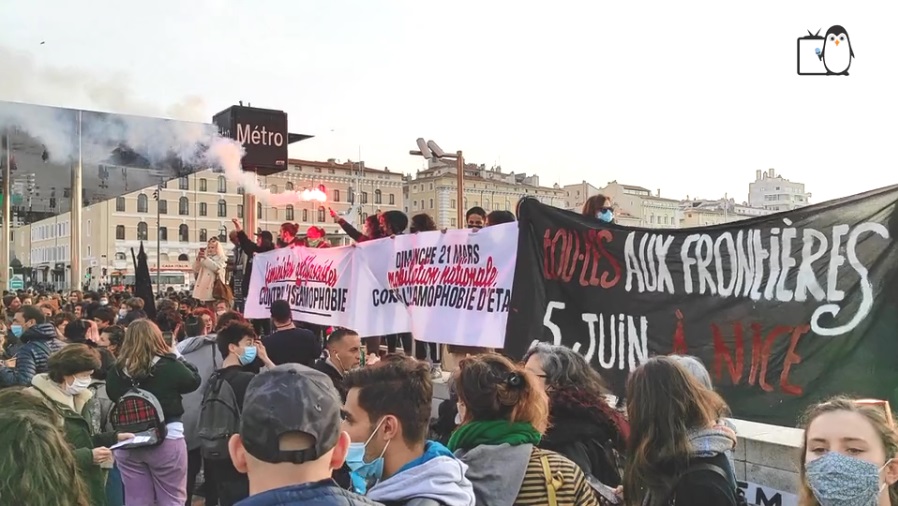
604	491
203	250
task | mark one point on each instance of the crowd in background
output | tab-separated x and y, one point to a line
278	412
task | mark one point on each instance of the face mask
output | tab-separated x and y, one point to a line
840	480
607	215
16	330
219	313
249	354
78	385
355	458
122	312
103	302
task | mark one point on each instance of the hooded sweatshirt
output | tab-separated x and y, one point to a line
496	471
203	353
436	475
38	342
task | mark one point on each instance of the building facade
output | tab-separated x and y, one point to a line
434	191
774	192
191	210
703	213
637	206
575	195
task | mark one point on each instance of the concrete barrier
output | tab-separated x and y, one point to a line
767	463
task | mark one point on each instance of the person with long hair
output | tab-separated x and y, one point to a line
677	446
599	207
370	228
145	359
849	455
585	427
65	389
424	223
211	263
37	464
504	412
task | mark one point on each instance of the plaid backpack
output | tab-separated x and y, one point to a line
139	412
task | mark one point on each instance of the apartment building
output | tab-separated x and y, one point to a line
190	210
772	191
637	206
434	191
575	195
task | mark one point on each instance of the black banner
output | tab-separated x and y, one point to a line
782	309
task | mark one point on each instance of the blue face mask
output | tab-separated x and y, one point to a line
16	330
607	215
840	480
355	459
249	354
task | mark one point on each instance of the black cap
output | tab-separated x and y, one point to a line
265	235
290	398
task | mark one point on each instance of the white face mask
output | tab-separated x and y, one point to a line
78	385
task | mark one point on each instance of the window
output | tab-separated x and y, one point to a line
258	211
240	190
119	232
336	195
289	216
452	203
431	186
183	233
120	204
378	197
305	215
141	203
392	199
183	257
142	231
321	214
204	209
203	185
350	195
119	256
183	183
452	222
240	210
204	235
364	197
274	188
223	234
431	204
163	206
222	208
183	206
288	186
163	234
222	185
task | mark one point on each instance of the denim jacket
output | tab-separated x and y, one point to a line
319	493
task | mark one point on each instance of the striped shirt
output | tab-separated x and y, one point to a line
573	491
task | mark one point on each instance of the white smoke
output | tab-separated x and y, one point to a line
157	140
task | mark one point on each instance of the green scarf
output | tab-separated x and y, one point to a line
493	432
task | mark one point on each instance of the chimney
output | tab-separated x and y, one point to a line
659	193
332	161
758	175
770	173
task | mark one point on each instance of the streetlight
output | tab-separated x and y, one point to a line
157	195
431	150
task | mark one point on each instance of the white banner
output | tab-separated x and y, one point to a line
450	287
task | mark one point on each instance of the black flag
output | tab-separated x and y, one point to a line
143	284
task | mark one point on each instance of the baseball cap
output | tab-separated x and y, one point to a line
290	398
266	235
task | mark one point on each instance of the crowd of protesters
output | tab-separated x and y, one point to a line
278	412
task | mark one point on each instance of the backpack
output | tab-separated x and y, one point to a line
139	412
219	418
706	466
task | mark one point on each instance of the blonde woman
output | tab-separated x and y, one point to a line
210	266
145	359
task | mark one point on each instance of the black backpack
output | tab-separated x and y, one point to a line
219	418
706	466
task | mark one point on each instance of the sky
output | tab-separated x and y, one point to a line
687	97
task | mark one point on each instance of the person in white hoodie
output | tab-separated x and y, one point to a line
386	414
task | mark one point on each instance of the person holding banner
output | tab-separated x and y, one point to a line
600	208
370	230
289	233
